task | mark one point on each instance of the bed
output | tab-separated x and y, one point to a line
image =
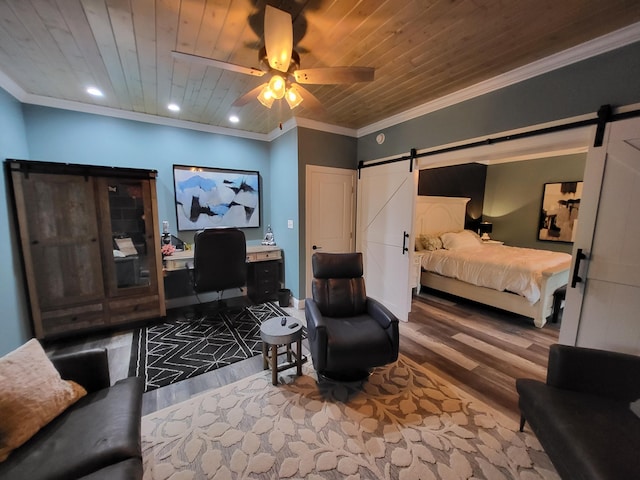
518	280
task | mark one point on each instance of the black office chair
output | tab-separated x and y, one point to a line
349	333
219	261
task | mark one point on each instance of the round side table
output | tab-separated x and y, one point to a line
281	331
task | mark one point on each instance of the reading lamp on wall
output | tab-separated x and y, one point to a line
484	230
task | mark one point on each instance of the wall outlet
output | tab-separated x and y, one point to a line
289	223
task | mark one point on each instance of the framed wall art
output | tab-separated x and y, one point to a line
216	197
559	211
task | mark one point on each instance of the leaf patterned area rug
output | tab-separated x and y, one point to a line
403	423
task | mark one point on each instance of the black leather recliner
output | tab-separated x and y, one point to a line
349	333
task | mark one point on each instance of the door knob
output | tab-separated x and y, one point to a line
315	247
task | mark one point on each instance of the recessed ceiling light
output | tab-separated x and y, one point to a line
94	91
173	107
234	119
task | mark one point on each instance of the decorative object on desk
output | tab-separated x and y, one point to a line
168	250
559	211
484	230
216	197
166	236
181	348
269	239
405	422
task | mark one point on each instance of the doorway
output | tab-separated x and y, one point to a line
330	213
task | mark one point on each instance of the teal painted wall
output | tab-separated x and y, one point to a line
513	197
64	136
284	205
14	324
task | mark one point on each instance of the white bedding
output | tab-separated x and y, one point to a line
503	268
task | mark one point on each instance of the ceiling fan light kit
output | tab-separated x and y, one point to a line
277	86
293	97
282	62
265	97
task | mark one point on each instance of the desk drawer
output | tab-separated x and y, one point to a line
266	270
264	256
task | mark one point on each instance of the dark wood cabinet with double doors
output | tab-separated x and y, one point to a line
90	241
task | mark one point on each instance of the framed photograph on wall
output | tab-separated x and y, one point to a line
559	211
216	197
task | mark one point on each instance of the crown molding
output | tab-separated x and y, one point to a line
138	117
282	129
12	87
326	127
591	48
16	91
313	125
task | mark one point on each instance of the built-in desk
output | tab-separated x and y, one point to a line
264	276
255	253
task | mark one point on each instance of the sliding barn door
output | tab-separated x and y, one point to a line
385	205
602	308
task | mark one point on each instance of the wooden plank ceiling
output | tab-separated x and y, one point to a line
421	50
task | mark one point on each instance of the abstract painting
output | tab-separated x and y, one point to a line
215	197
559	211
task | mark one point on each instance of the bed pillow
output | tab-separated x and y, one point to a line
31	395
458	240
430	242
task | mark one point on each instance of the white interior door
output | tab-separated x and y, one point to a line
385	206
602	309
330	212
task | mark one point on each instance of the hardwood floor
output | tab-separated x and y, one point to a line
479	349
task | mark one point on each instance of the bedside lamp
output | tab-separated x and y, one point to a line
484	230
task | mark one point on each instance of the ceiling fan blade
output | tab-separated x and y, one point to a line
248	97
217	63
309	100
331	75
278	38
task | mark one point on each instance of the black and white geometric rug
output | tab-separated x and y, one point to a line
183	348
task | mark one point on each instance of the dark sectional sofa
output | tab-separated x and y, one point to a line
582	414
98	437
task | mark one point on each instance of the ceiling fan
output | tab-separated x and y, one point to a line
281	63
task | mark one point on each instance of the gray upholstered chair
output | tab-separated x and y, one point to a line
349	333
